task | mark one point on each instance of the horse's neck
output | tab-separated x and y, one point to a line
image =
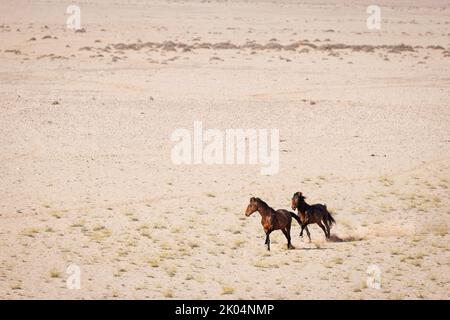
265	211
303	206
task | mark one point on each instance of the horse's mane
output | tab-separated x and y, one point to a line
301	201
263	204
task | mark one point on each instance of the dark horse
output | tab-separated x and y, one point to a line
317	213
272	220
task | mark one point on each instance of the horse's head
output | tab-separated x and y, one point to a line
252	206
296	199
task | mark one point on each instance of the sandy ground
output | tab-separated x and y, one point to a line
86	176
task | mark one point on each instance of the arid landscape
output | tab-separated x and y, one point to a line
87	179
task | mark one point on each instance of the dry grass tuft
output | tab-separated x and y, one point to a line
30	232
227	290
54	273
168	293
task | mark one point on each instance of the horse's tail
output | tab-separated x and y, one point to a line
328	216
296	218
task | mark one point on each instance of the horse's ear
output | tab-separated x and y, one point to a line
252	199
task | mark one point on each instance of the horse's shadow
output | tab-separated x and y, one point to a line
336	238
333	238
310	248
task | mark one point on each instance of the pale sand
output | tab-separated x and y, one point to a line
90	181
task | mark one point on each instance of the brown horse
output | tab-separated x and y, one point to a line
272	220
316	213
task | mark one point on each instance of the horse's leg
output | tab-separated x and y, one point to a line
307	232
268	239
288	230
327	226
286	235
323	228
301	231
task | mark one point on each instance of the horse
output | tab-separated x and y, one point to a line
272	220
316	213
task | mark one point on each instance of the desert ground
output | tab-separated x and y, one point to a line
86	175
